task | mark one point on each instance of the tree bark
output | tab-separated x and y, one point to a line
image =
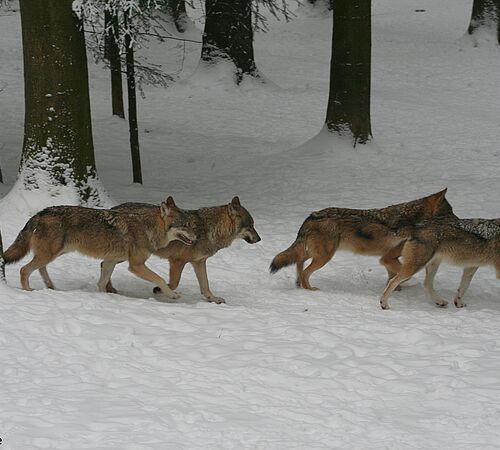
348	111
228	35
485	14
58	147
132	109
112	54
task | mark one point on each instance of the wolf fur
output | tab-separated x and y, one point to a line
371	232
468	243
105	234
216	227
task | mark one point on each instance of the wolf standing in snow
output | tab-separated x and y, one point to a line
371	232
469	243
216	227
112	236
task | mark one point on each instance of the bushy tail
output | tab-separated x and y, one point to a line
20	247
292	255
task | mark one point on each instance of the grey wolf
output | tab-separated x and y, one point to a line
468	243
216	227
105	234
370	232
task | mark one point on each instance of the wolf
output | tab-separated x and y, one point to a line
370	232
216	227
105	234
469	243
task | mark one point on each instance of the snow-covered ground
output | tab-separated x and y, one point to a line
276	367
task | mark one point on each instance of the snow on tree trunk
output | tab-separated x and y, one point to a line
228	35
348	111
58	151
485	18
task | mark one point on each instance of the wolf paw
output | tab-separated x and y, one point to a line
459	303
442	303
173	295
111	290
217	300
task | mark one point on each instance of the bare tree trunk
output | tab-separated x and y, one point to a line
328	3
348	111
229	35
485	15
132	109
112	54
58	147
2	262
177	10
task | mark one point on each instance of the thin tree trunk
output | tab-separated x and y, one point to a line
58	147
328	3
112	54
132	109
2	262
177	10
485	14
229	35
348	110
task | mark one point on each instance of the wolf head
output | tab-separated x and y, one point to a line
244	222
178	224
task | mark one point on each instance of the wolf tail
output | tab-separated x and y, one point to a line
20	247
292	255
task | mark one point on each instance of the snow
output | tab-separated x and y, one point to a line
275	367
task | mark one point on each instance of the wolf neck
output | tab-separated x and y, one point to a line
221	229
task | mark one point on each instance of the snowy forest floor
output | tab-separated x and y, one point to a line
276	367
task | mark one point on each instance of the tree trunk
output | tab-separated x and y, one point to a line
485	15
132	109
348	111
2	262
229	35
328	3
58	147
177	10
112	54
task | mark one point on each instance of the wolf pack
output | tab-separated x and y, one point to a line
407	238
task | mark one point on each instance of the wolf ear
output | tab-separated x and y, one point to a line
167	207
170	202
235	201
434	201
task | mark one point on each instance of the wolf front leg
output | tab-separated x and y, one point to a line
139	268
200	269
467	276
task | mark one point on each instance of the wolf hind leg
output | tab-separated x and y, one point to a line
104	284
38	262
45	277
467	276
321	252
430	272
